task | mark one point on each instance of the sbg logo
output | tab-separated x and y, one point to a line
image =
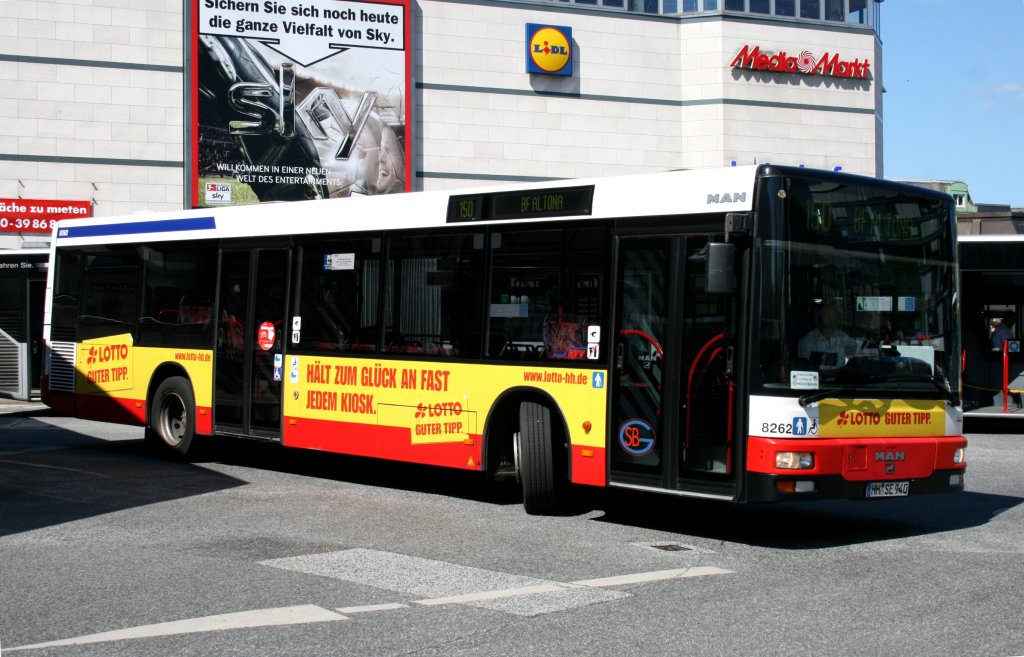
253	101
636	437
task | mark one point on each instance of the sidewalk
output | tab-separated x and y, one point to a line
15	406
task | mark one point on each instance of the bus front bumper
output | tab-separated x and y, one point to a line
790	487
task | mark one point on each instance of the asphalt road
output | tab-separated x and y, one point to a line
253	550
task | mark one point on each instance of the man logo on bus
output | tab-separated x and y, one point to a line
636	437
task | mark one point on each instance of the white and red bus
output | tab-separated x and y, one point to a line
643	332
992	284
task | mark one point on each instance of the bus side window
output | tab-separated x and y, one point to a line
110	292
177	306
340	284
433	297
67	291
546	289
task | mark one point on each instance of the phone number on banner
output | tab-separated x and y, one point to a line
27	224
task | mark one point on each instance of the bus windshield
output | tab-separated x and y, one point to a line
856	292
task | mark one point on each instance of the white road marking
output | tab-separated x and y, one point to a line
430	579
402	573
653	576
296	615
491	595
449	583
368	608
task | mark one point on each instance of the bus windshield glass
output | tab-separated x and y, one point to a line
856	291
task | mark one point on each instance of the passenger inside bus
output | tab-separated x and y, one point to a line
1003	331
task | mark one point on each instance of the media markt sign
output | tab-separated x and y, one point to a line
806	63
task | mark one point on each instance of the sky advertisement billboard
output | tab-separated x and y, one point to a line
295	100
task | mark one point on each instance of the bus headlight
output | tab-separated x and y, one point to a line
794	460
958	455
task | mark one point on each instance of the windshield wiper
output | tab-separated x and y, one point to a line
939	383
812	397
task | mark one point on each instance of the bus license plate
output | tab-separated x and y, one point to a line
888	489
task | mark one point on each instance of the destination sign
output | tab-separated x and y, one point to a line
868	222
527	204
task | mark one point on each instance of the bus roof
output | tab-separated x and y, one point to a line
676	192
697	191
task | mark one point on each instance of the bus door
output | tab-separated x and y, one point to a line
250	342
22	296
670	425
36	302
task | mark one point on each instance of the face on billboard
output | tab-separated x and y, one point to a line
299	100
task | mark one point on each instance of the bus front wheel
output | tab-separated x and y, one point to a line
172	417
534	459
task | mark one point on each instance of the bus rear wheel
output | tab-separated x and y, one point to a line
172	417
534	459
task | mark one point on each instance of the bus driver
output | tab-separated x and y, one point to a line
826	345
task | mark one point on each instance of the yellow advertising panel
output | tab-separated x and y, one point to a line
437	403
105	364
897	417
113	366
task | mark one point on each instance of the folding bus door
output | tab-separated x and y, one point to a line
253	298
670	408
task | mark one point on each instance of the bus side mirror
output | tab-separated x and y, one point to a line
721	261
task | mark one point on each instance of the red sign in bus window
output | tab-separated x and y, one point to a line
266	336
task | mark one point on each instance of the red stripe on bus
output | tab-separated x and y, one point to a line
394	443
204	420
63	403
121	410
860	459
588	466
107	408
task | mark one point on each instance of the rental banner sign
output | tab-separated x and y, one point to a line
26	215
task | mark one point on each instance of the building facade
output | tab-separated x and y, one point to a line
92	103
96	92
650	92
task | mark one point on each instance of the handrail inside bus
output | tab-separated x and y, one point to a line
645	336
689	390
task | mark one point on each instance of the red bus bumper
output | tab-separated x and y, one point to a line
855	468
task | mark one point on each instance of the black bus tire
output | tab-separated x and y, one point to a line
535	462
172	417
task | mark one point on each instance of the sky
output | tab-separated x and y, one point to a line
953	108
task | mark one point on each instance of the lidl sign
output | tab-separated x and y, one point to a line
548	49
